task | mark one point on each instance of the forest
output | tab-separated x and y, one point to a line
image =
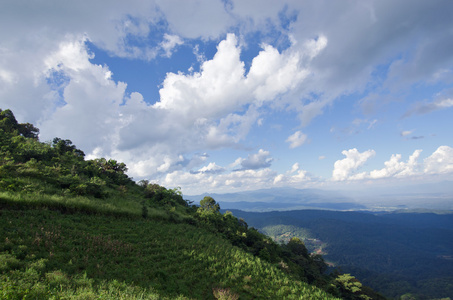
73	228
399	253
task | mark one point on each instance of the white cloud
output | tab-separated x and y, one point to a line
259	160
297	139
170	43
205	19
406	132
395	168
311	55
273	73
200	182
91	99
208	107
425	108
441	161
354	159
212	168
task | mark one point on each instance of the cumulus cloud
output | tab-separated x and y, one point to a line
297	139
354	159
169	43
259	160
293	177
47	77
441	161
395	168
91	98
212	168
211	109
200	182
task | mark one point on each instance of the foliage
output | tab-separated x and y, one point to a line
82	229
209	204
393	253
8	123
48	254
348	287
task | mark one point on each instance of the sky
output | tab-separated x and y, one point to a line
232	95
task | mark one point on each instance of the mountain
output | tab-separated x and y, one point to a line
395	253
72	228
283	199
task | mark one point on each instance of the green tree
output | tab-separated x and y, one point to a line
297	247
349	287
208	203
65	146
9	123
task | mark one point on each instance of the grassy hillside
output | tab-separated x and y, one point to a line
48	253
82	229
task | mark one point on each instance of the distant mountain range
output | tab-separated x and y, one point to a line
282	199
393	252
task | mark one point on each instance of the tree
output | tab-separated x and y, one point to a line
349	287
208	203
296	246
28	130
65	146
9	123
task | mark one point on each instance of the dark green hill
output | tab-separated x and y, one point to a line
82	229
394	253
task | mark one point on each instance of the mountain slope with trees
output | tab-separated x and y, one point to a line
396	253
82	229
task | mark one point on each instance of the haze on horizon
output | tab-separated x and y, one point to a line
232	95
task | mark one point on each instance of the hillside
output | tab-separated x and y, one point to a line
395	253
82	229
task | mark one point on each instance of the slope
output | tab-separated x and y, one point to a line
82	229
394	253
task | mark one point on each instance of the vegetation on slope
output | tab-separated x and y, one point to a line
82	229
402	255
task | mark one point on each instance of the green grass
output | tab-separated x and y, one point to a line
49	254
72	228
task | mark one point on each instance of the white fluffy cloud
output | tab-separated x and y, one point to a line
210	109
169	43
212	168
293	177
259	160
200	182
344	168
395	168
312	54
439	162
297	139
91	99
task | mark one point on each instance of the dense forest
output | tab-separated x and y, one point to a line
398	254
73	228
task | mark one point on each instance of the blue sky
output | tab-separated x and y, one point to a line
224	96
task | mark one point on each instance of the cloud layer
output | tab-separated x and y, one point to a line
285	65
